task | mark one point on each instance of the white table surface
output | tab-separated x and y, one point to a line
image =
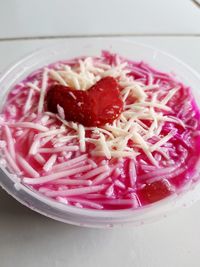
64	17
29	239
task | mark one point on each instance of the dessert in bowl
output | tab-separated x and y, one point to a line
100	134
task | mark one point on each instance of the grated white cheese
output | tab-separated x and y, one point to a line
138	92
33	86
127	136
61	112
164	140
152	104
115	130
97	130
171	93
104	146
151	158
56	76
85	73
82	138
28	101
43	91
123	143
138	139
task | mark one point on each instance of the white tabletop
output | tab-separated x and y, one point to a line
89	17
29	239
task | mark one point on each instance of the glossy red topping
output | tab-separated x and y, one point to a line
99	105
156	191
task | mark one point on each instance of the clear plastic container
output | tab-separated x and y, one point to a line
92	46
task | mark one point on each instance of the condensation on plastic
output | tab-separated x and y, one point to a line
92	47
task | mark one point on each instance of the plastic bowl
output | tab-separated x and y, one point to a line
93	46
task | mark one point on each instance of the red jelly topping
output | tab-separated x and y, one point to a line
99	105
156	191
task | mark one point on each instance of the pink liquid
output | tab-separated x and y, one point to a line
114	186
